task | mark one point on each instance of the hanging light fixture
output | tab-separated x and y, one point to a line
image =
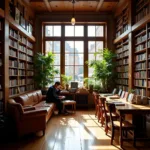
73	20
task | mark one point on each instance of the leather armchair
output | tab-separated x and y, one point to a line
27	120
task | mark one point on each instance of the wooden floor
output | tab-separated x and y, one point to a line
79	131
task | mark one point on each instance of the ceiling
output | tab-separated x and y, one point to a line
41	6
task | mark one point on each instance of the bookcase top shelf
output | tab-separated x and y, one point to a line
15	25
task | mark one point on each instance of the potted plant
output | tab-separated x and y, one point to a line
44	70
65	80
104	70
89	84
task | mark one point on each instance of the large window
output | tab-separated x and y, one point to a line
73	46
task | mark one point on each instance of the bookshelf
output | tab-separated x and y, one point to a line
142	9
122	22
20	62
1	61
122	51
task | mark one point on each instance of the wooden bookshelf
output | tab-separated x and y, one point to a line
122	22
20	62
122	51
2	103
142	9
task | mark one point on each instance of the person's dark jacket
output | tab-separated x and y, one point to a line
52	95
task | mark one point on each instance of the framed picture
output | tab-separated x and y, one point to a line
22	22
17	15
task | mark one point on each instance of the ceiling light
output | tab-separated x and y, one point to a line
73	20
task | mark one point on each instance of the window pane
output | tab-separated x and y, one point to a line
99	45
91	70
69	71
79	30
79	75
58	68
57	30
56	47
48	46
78	59
99	31
91	57
78	46
48	31
91	31
69	47
69	59
91	46
69	30
57	59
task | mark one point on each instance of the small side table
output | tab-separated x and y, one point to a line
70	102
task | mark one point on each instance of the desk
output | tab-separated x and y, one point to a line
128	108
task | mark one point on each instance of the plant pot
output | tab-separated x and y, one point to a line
67	87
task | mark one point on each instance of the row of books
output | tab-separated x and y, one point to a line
148	34
140	82
21	65
13	33
122	30
30	87
148	44
1	63
22	56
22	89
141	65
13	43
123	75
122	81
148	74
148	83
29	58
124	54
21	72
30	73
29	44
21	81
13	63
140	74
13	82
29	66
22	39
122	69
140	3
13	72
30	81
13	91
142	13
29	52
123	87
140	39
140	47
12	52
123	61
22	48
140	91
140	57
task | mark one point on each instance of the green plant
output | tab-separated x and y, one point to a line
131	90
44	69
104	70
66	79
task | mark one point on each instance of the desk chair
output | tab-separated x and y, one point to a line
115	125
96	102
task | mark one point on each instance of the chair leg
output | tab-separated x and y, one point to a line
112	136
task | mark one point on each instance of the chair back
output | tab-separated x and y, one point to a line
111	109
102	101
119	92
95	98
122	94
114	91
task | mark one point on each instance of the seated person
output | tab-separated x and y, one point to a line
53	96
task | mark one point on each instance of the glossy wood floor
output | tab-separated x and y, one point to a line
79	131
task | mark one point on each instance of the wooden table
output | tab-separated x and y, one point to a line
128	108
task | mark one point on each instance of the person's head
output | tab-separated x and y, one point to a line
57	84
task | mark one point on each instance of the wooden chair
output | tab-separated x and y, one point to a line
115	125
105	119
95	98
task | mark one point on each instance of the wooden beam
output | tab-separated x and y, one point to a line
48	5
99	5
63	0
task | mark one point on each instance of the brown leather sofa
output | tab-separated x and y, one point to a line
30	112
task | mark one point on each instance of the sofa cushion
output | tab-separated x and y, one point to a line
39	93
23	100
44	104
35	98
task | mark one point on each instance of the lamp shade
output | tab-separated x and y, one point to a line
73	21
